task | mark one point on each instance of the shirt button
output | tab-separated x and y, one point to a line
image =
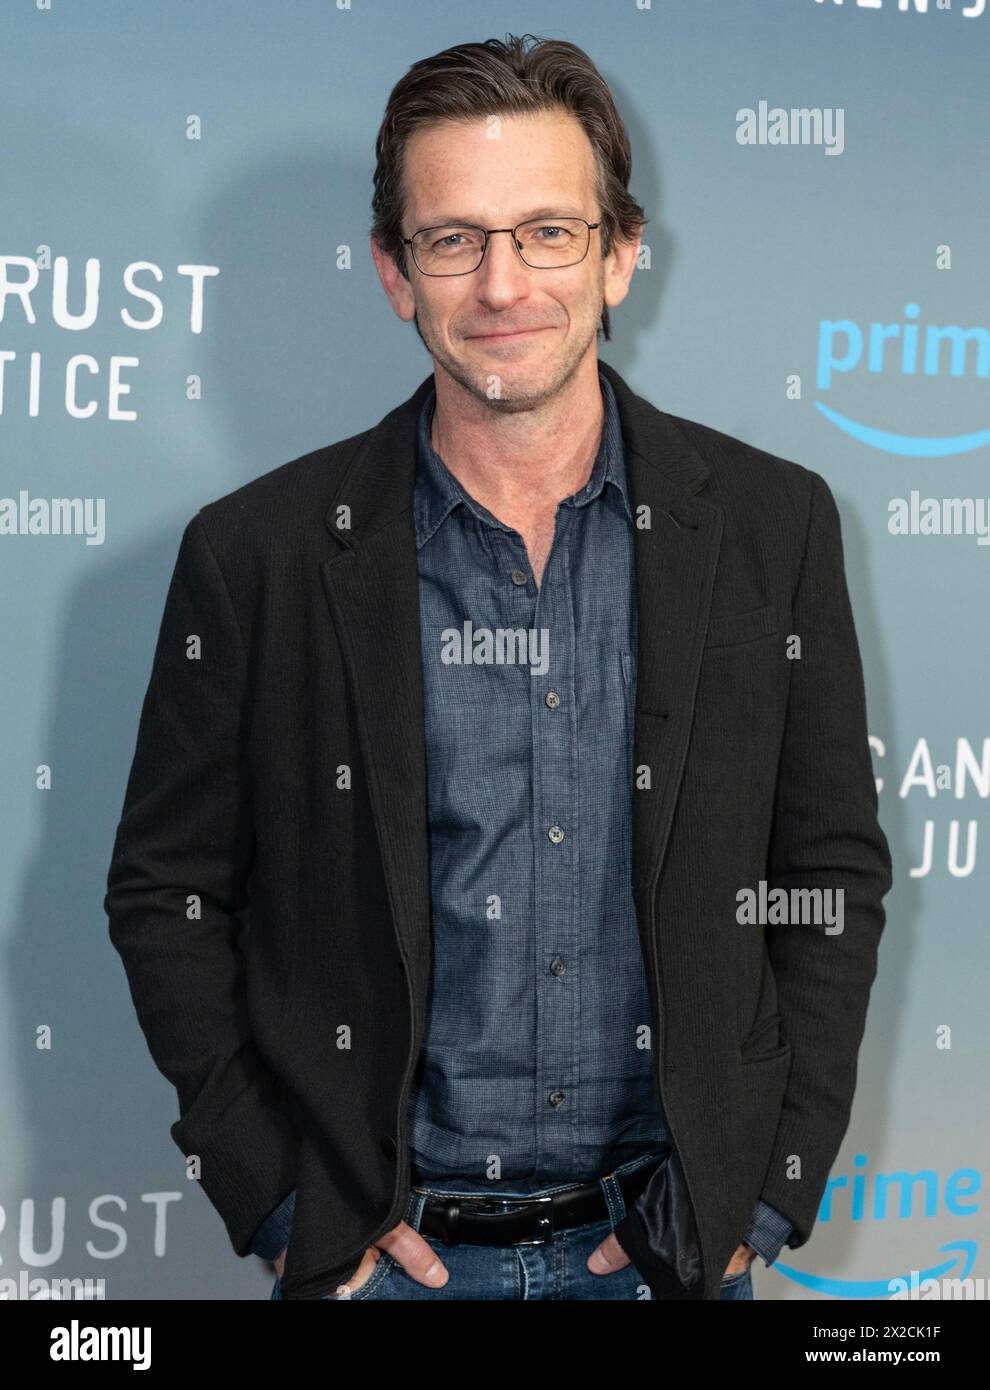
551	699
556	1099
555	834
557	966
518	577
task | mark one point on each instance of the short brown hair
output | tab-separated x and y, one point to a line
475	80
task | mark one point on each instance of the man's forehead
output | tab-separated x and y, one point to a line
529	182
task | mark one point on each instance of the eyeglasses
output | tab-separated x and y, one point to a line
543	243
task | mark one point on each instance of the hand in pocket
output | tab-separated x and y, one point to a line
406	1247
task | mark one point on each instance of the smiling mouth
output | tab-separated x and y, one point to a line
498	337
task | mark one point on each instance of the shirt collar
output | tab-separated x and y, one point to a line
438	492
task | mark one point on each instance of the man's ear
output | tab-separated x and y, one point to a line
394	283
619	266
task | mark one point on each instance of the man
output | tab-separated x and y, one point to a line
466	738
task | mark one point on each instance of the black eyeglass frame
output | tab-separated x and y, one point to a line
490	232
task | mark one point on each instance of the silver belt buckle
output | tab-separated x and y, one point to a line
544	1223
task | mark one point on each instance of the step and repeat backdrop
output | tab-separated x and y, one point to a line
188	300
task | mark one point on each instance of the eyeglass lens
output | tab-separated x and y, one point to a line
543	243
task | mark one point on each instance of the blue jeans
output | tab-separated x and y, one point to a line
556	1270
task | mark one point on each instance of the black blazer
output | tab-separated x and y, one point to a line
269	886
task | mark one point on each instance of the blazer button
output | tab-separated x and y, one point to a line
389	1148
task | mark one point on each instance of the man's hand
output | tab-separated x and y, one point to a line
610	1257
742	1259
407	1247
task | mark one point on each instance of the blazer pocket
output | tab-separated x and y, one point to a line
765	1042
734	628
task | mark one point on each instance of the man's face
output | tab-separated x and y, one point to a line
507	325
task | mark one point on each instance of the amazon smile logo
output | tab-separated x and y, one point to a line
947	1278
901	1195
907	348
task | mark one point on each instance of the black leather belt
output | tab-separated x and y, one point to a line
521	1220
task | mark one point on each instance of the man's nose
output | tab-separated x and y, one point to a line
503	276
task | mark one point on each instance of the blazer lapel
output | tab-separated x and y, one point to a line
372	589
677	542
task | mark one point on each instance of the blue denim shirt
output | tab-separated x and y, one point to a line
537	1064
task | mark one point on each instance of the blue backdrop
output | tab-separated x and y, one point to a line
816	285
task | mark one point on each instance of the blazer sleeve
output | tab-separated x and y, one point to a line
825	835
177	888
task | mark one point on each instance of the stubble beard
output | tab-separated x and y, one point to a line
516	395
